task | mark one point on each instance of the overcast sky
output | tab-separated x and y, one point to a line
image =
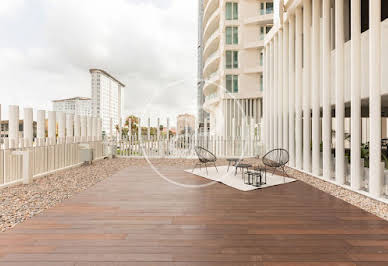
48	46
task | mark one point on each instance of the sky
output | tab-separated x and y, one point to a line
48	46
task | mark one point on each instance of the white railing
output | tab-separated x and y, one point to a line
31	153
183	146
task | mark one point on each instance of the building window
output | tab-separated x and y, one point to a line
231	11
269	8
261	58
264	31
232	83
231	59
261	82
231	35
262	8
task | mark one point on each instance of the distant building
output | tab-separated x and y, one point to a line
76	106
183	120
106	98
4	125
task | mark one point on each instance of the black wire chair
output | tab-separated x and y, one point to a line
276	159
204	157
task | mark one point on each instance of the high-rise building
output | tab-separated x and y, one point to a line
183	121
106	99
233	35
76	106
200	96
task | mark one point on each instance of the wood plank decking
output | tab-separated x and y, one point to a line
137	218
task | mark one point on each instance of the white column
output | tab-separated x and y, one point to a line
139	130
291	78
276	92
13	126
69	128
307	85
375	178
110	127
339	92
271	94
94	129
266	98
61	127
355	84
28	127
264	95
77	127
52	128
298	87
41	127
316	141
280	88
99	129
149	129
326	86
285	86
84	131
89	128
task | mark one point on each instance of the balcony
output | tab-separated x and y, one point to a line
210	101
210	7
260	19
211	63
254	44
212	25
211	83
212	43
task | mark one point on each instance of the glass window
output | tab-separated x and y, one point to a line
231	11
261	82
235	35
235	10
235	59
269	8
262	33
231	35
235	83
232	83
228	59
229	83
262	9
261	58
231	59
268	28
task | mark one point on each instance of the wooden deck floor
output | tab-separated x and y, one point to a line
137	218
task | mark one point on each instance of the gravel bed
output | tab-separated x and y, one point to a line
21	202
370	205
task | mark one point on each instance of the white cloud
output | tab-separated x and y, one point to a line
9	7
146	44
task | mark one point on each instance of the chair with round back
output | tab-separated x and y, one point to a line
276	158
204	157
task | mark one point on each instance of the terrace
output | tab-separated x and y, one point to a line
138	204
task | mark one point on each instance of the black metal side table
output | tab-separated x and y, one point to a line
233	161
242	166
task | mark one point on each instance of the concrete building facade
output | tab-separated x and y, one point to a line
185	121
75	106
233	41
107	95
326	70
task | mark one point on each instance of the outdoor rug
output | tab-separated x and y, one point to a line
230	179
